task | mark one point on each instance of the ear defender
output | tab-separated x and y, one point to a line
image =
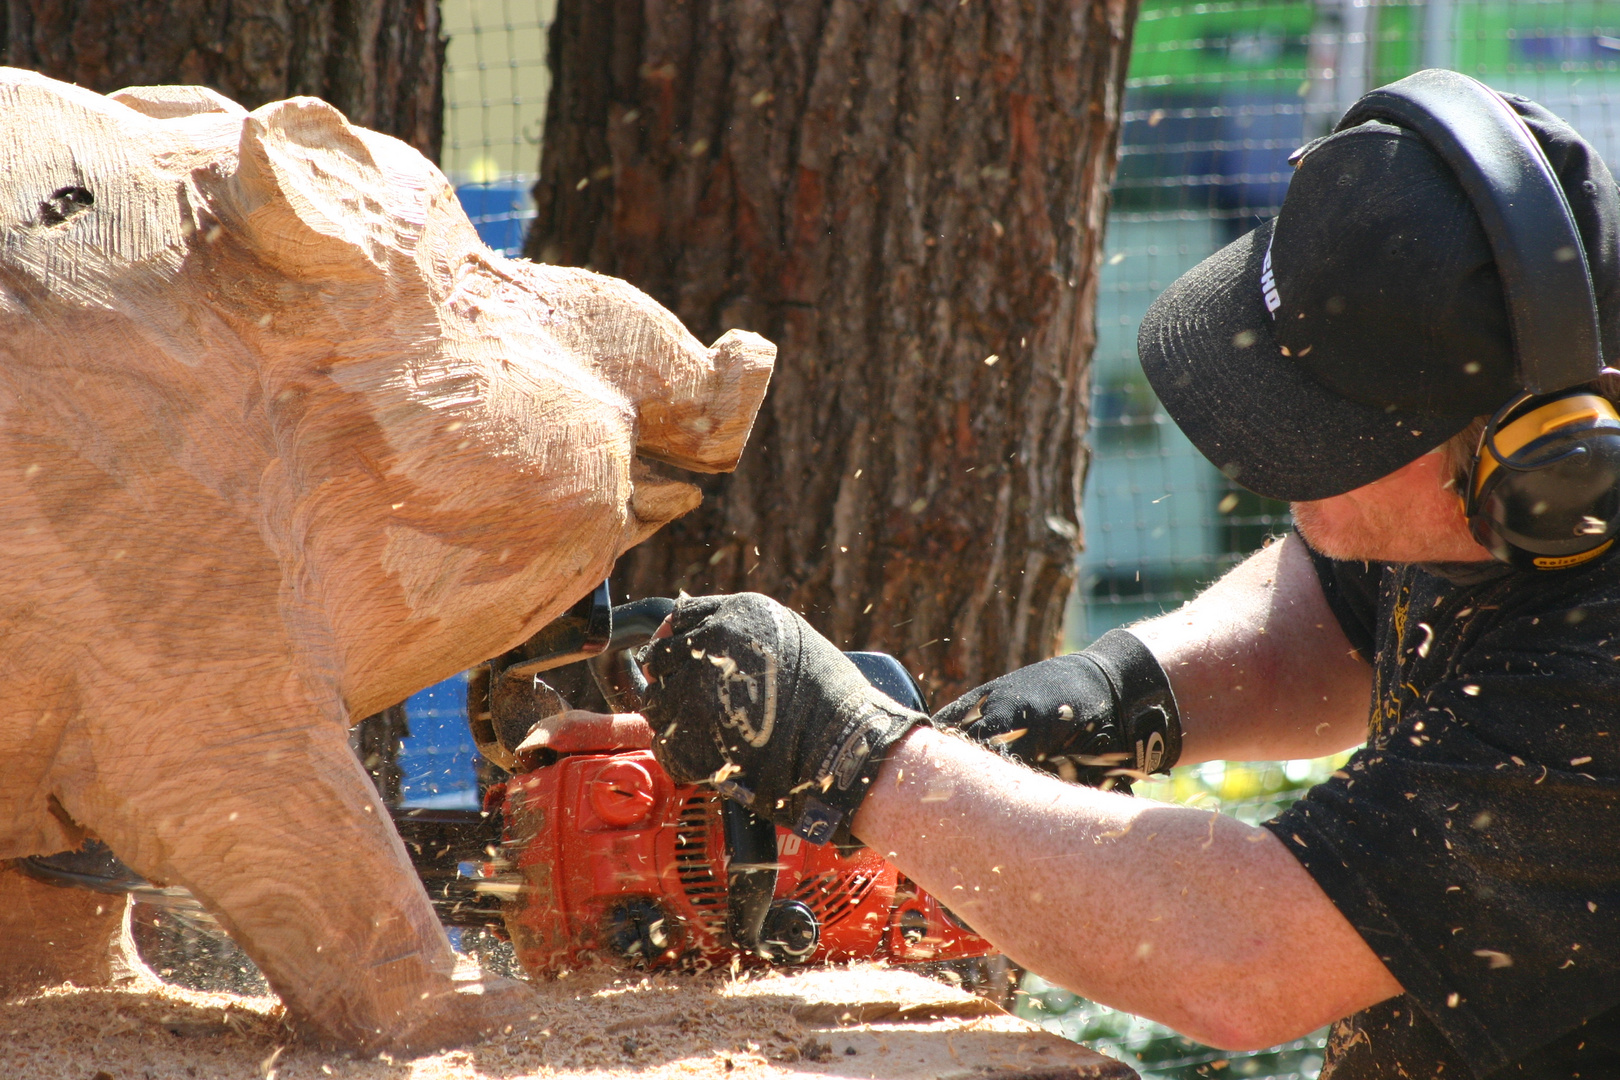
1544	488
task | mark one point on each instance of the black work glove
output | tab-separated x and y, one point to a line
1095	717
747	696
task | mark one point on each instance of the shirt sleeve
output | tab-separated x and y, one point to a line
1476	846
1351	591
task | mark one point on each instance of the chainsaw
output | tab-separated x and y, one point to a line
603	857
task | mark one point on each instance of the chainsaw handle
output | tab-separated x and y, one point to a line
750	873
750	839
615	670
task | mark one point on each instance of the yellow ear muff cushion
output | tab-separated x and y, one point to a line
1540	421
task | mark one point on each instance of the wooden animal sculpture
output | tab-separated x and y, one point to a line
282	442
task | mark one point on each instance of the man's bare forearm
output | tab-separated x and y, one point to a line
1185	916
1260	668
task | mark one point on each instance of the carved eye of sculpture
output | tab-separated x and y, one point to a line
64	203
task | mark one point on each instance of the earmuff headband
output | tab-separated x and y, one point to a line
1502	169
1544	489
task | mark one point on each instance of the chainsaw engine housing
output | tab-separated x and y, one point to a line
620	864
605	858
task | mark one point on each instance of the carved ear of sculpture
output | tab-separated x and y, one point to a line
695	406
172	102
320	199
731	388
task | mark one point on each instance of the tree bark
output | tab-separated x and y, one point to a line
379	61
908	196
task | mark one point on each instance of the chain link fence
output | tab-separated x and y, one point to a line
495	86
1219	95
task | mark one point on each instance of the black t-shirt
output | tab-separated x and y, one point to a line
1475	841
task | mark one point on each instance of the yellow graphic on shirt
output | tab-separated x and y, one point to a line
1386	708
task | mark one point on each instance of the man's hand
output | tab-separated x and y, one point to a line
1098	717
745	695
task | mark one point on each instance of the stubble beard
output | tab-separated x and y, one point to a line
1386	532
1338	532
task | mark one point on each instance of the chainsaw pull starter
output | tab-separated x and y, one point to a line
781	931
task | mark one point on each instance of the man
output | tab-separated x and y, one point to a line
1451	899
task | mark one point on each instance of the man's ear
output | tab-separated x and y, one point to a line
322	199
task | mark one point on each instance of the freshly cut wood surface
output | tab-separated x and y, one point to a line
860	1021
281	443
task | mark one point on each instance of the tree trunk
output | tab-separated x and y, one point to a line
375	740
379	61
908	196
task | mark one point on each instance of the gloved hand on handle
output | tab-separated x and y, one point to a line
1099	717
744	694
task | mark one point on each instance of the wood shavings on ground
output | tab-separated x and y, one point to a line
857	1021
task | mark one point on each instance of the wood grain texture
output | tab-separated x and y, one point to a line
89	943
282	442
896	193
795	1027
380	62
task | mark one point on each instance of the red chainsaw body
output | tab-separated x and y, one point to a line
608	845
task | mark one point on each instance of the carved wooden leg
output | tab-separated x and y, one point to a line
293	852
50	934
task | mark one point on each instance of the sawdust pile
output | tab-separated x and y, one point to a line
838	1022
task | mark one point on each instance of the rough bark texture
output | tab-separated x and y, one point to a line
375	740
908	196
379	61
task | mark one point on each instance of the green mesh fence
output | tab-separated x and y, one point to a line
495	85
1219	95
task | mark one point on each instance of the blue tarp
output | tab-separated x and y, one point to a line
500	211
438	757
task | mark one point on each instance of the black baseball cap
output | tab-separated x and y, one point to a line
1365	325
